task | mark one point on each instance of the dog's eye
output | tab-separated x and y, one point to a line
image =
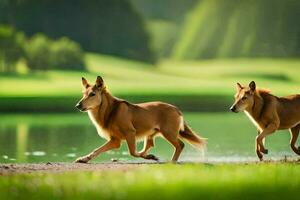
244	98
92	94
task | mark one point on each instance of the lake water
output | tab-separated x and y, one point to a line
39	138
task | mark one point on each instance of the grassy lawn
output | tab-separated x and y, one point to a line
126	77
165	181
192	85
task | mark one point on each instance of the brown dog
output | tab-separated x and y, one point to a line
117	120
268	113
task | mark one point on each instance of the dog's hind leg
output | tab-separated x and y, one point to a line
294	135
148	143
176	142
112	144
131	143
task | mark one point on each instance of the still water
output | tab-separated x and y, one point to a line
37	138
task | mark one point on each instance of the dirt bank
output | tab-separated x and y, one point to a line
7	169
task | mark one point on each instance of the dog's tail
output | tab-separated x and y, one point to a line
190	136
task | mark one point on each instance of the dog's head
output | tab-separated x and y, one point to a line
244	97
92	94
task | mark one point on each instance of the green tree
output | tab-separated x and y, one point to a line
66	54
38	52
104	26
42	53
11	48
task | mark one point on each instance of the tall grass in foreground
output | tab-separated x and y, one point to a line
187	181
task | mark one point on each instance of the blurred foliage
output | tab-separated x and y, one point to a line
37	52
163	36
11	48
164	21
150	29
104	26
243	28
43	53
67	54
169	10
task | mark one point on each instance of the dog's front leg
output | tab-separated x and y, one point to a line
112	144
257	148
131	143
294	135
271	128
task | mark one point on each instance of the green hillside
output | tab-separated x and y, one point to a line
129	77
191	85
163	20
243	28
169	10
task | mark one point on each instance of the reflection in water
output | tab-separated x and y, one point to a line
38	153
71	155
22	135
62	138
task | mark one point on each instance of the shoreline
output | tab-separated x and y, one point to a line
61	167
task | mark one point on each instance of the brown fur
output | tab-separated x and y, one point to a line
269	113
118	120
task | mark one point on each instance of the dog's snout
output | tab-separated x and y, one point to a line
79	105
233	109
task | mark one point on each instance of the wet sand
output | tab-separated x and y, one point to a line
10	169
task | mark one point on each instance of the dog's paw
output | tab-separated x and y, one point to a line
152	157
265	151
82	160
298	152
259	155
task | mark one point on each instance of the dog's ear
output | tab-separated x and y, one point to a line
84	82
252	86
99	82
238	86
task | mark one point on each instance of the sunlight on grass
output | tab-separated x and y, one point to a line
168	77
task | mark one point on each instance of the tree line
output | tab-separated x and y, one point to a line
39	52
194	29
104	26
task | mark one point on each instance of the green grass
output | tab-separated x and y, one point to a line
126	77
187	181
206	85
